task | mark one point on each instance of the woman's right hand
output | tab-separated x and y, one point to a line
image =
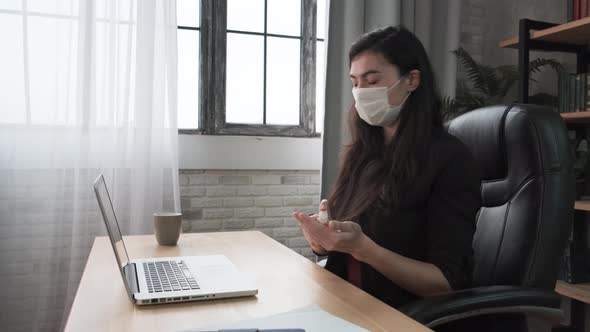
316	247
302	221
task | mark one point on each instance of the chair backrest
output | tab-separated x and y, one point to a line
528	192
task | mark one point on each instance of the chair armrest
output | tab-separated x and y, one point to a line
436	310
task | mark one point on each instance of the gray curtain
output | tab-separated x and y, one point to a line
435	22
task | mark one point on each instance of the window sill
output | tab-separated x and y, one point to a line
249	152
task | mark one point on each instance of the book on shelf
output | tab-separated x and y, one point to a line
578	9
574	92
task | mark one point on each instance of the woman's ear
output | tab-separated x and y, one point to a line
413	79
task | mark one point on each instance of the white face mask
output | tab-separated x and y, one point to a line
372	105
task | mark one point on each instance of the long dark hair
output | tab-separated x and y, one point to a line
371	170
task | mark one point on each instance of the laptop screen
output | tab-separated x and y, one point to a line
110	220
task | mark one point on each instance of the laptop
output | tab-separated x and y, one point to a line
171	279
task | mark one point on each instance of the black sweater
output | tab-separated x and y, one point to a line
435	221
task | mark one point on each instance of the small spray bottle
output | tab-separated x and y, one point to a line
323	216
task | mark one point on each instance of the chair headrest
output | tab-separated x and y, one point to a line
512	144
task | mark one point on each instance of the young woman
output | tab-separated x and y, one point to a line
403	210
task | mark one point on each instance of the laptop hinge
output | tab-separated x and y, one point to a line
131	276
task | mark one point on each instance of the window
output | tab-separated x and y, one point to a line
188	20
258	71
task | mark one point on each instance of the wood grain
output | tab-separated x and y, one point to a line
285	279
580	292
576	117
575	32
582	205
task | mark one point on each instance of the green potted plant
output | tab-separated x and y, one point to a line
487	85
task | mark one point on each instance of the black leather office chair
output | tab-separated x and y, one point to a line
528	193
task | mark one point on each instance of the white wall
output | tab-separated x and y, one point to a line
249	152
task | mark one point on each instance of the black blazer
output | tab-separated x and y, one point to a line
435	221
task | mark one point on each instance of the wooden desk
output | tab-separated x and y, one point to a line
285	280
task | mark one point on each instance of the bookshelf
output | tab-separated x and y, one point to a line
572	37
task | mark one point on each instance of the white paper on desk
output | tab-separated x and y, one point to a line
311	319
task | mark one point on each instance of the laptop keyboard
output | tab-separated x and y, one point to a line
168	276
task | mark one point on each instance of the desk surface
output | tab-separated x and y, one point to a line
285	280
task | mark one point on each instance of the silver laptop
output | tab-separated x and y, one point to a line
171	279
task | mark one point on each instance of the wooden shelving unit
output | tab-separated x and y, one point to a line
576	117
575	33
580	292
582	205
572	37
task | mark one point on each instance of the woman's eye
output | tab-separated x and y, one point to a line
372	83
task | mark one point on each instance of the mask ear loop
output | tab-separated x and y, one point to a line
396	83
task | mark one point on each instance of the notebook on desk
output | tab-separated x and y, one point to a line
170	279
309	319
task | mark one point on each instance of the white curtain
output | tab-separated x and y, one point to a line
85	87
435	22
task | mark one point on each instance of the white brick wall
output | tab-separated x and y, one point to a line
216	200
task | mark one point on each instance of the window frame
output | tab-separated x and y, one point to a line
212	78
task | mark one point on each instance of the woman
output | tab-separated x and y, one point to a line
404	205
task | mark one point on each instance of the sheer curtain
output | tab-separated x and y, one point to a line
85	87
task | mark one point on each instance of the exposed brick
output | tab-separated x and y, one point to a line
269	201
267	231
307	252
192	191
279	211
206	179
295	179
205	202
191	171
221	191
308	190
307	172
185	203
315	200
203	225
236	179
240	224
307	209
238	202
315	179
287	232
269	222
290	222
284	242
266	179
192	214
282	191
220	171
298	242
251	172
252	191
295	201
183	180
249	212
217	213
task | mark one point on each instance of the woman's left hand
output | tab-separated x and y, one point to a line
342	236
